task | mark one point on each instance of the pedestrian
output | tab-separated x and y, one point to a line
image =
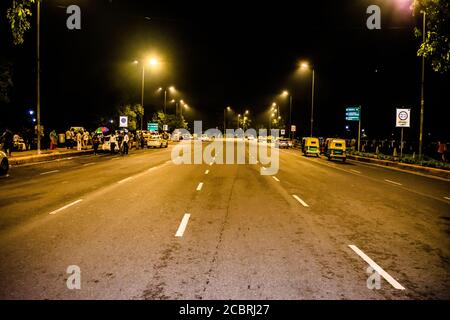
85	140
112	143
142	140
119	141
53	140
7	138
442	148
78	138
95	143
126	140
68	139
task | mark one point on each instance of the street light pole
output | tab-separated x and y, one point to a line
38	79
290	116
165	101
142	95
422	96
312	100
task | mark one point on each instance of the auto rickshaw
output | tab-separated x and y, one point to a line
335	149
310	146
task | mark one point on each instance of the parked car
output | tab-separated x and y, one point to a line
4	164
283	143
157	141
106	146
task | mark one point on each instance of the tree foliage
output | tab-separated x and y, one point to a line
18	15
173	121
6	82
436	47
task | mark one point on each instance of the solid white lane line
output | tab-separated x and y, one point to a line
183	225
200	186
88	164
300	200
377	268
50	172
207	172
276	179
447	198
356	171
393	182
65	207
125	180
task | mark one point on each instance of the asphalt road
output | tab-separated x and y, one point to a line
141	227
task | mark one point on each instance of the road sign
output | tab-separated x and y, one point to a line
123	123
152	126
165	127
353	113
403	118
283	132
293	128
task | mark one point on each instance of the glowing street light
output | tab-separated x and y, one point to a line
306	66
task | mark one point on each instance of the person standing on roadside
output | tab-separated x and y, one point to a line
112	143
53	140
442	150
126	140
7	139
142	140
95	143
68	139
78	138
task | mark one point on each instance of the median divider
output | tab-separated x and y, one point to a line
404	166
49	156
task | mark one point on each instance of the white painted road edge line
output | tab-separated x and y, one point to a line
88	164
207	172
447	198
65	207
125	180
377	268
200	186
50	172
393	182
300	200
356	171
183	225
276	179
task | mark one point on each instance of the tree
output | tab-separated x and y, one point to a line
436	47
18	15
173	121
6	82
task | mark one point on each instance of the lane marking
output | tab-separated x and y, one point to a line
356	171
207	172
183	225
276	179
65	207
300	200
393	182
377	268
447	198
49	172
88	164
125	180
200	186
211	163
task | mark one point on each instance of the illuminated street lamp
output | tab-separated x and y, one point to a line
305	66
286	94
171	89
227	109
151	62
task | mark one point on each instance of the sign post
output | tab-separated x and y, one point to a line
354	114
123	123
152	126
403	120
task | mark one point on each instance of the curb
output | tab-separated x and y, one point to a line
47	157
404	166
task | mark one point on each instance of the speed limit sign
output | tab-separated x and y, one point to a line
403	119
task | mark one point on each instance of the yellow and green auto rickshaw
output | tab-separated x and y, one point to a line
310	146
335	149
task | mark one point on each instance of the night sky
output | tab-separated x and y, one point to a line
220	53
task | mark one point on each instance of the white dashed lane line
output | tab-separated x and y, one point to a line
276	179
183	225
393	182
300	200
65	207
49	172
355	171
207	172
377	268
125	180
200	186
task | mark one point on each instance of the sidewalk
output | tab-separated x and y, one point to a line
25	157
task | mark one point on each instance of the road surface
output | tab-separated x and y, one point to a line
141	227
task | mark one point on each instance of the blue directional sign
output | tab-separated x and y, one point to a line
353	113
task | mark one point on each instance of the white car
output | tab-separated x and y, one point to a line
4	164
106	146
